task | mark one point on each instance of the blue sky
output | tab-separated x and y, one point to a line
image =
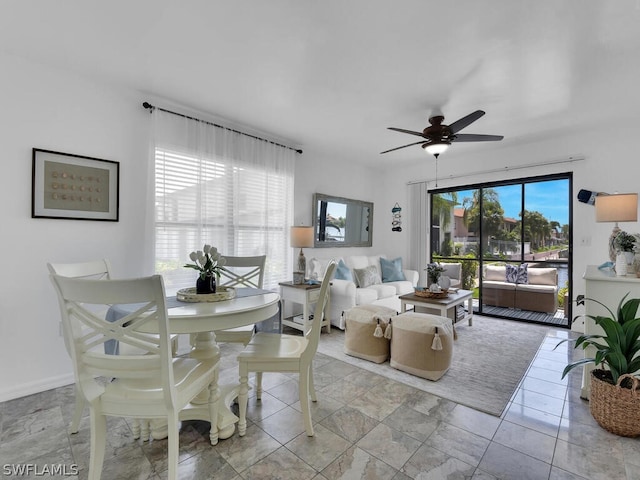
550	198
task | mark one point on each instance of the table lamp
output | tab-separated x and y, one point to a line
620	207
301	237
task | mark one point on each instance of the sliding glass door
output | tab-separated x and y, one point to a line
513	240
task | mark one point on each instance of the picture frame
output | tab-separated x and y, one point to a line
74	187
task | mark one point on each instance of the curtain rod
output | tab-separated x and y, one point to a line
151	108
571	159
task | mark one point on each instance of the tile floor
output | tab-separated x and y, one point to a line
366	427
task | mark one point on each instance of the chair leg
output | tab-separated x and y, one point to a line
214	402
303	388
243	395
98	444
135	428
145	429
312	388
77	414
173	444
259	385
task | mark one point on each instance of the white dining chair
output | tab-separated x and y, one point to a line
97	270
152	384
241	272
268	352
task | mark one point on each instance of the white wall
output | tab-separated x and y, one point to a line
49	109
318	172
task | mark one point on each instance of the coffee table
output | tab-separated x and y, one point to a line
442	305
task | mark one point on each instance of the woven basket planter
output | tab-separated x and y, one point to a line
616	409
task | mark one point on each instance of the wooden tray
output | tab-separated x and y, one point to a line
428	294
190	295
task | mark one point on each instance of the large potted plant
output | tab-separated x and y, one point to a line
614	401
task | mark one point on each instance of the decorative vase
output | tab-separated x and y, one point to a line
629	256
444	282
621	264
208	285
434	287
636	264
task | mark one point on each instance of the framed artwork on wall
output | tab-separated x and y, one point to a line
74	187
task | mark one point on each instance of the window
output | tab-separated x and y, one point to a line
241	209
521	223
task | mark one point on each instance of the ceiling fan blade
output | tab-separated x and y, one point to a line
458	125
470	137
404	146
402	130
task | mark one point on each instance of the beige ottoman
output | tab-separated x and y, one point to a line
360	338
422	344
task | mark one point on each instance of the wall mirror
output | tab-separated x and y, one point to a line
342	222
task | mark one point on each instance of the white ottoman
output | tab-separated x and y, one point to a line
360	339
422	344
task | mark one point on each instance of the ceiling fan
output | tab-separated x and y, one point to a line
437	137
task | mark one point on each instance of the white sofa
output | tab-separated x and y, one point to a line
345	294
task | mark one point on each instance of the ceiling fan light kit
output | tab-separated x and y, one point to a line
439	136
436	148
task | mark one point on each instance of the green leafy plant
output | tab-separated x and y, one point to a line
561	293
434	270
207	261
624	242
620	343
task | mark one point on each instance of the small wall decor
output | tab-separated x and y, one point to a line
74	187
396	221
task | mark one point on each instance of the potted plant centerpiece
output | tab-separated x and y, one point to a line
624	243
614	401
208	262
434	270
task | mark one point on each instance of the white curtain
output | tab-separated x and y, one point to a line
219	187
419	228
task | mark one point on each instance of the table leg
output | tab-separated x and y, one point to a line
470	309
205	346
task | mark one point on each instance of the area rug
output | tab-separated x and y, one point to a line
489	360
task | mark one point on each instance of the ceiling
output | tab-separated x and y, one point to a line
330	76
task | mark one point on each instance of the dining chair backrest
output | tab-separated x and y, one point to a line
243	271
88	332
96	269
313	334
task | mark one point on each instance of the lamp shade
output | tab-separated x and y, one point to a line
302	237
622	207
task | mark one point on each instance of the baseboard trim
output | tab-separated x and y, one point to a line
30	388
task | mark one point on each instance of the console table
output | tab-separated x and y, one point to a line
606	287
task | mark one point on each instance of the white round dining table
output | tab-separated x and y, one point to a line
203	319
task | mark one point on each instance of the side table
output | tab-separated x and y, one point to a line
307	296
